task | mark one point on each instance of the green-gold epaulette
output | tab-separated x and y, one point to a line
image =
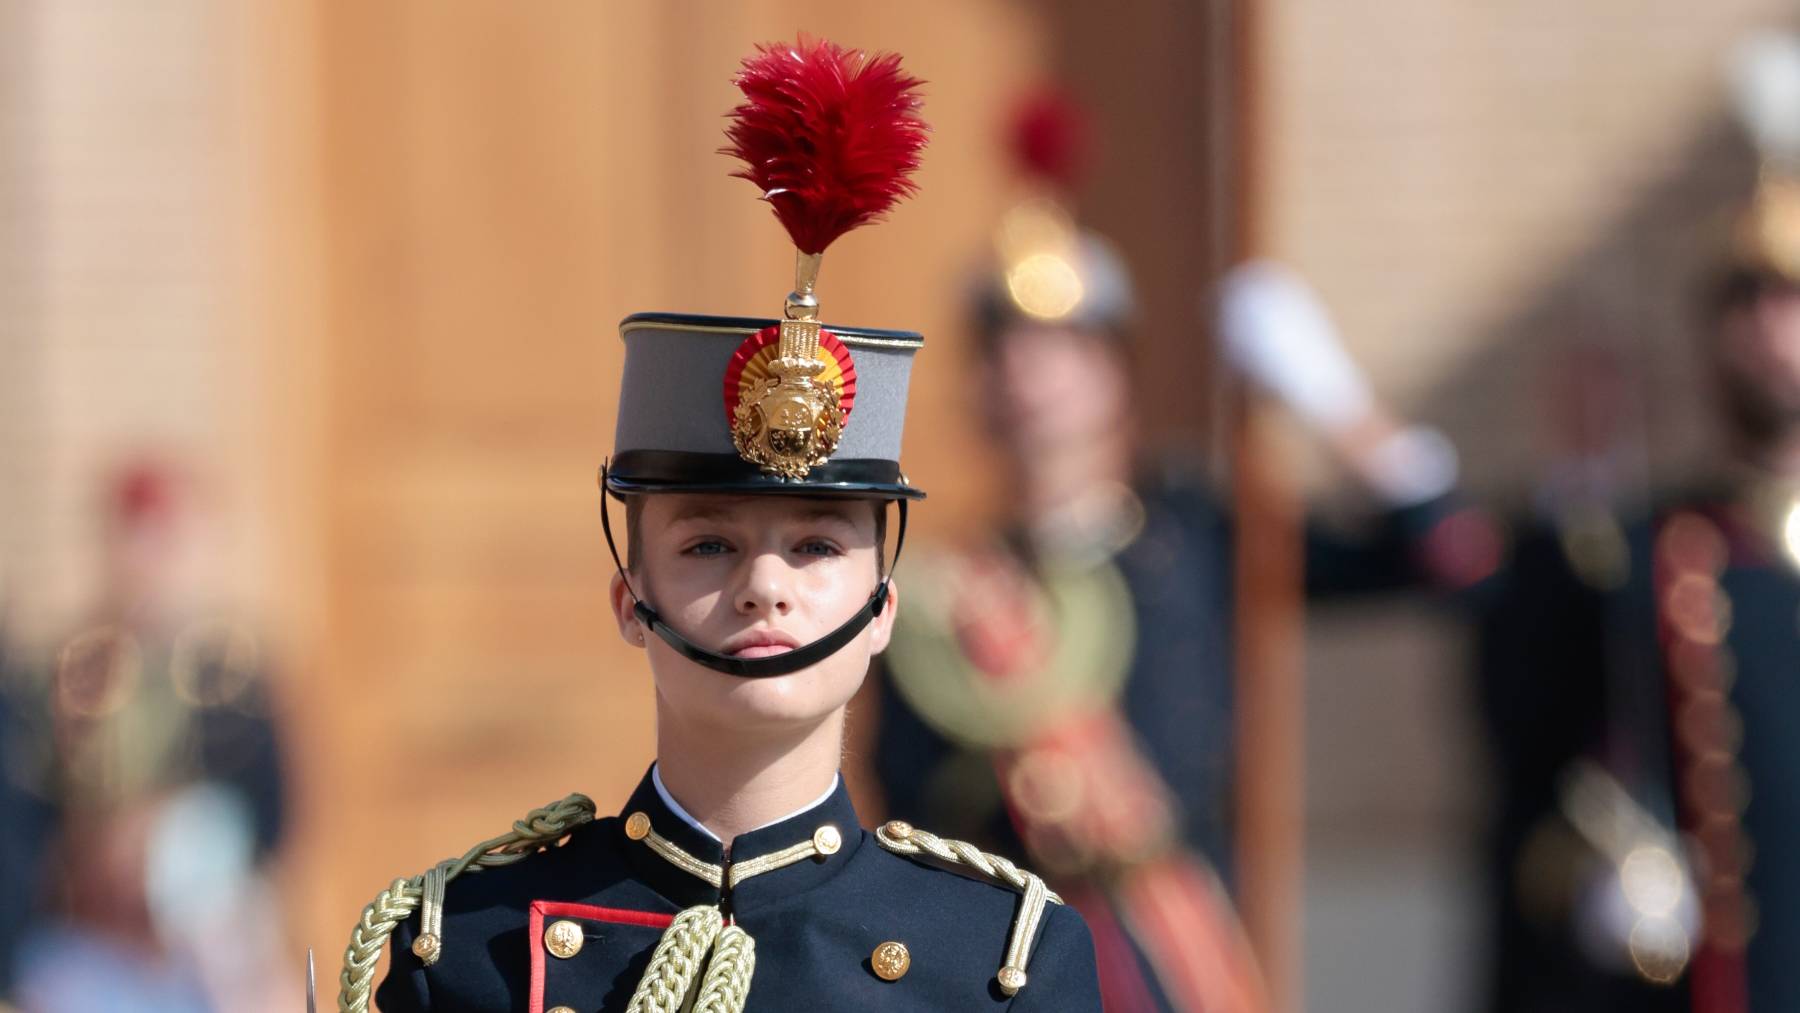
538	829
903	838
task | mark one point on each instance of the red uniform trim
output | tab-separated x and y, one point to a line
541	909
1692	547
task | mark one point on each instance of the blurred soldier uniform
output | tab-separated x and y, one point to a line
24	819
152	746
1665	669
160	690
649	910
1639	673
1066	687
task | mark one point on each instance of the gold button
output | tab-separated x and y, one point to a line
890	960
1011	979
900	830
637	826
560	1009
827	840
563	938
426	947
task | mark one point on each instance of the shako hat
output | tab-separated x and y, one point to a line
714	404
831	137
792	406
1045	267
1765	84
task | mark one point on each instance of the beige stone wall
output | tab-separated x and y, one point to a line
120	277
1476	186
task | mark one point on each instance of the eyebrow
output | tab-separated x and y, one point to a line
824	513
703	510
719	511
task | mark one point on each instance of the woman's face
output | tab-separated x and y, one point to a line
754	576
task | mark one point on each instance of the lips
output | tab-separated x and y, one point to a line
760	644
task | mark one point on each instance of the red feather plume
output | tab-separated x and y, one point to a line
1050	137
831	136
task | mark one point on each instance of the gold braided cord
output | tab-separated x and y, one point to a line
726	986
389	908
538	828
677	960
715	876
698	938
905	839
1025	929
741	871
431	907
674	855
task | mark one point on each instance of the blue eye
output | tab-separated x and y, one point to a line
709	547
818	547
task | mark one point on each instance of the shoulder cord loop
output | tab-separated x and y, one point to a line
905	839
683	953
677	961
539	828
727	983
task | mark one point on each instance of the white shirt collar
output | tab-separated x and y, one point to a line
686	817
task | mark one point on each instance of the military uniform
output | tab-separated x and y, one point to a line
1172	580
1162	678
1638	675
1065	690
25	822
575	927
648	912
1625	669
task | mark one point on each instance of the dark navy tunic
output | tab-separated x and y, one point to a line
815	923
1178	696
1573	670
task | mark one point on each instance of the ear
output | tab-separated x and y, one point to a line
881	628
624	612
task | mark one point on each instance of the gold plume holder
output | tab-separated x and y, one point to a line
791	423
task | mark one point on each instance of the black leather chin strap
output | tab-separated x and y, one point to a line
753	668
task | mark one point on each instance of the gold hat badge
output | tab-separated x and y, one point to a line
788	416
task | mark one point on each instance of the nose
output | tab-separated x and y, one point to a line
766	586
1016	367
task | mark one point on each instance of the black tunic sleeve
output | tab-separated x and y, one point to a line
1063	976
404	989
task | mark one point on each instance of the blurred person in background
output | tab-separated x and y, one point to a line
152	739
1063	687
1639	675
24	815
1637	684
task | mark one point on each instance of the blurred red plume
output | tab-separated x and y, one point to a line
829	135
143	490
1050	137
